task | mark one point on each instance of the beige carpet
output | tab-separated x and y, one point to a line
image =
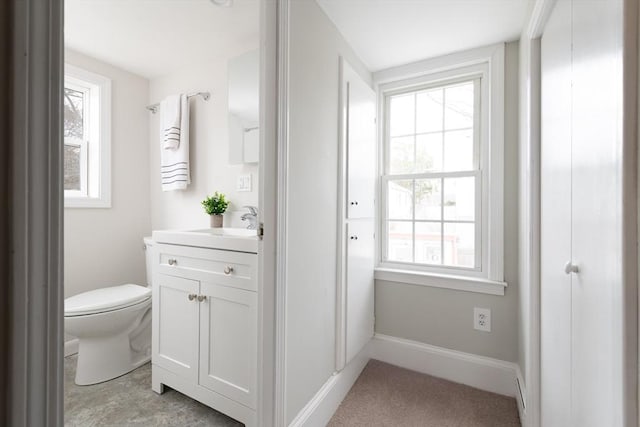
386	395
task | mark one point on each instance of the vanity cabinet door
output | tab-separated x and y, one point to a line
228	342
175	325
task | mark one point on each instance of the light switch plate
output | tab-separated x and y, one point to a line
243	183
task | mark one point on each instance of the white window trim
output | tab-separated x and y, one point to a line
488	62
83	192
97	193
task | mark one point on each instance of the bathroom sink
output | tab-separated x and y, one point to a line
237	232
230	239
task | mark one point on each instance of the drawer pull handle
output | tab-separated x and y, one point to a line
202	298
172	261
228	270
192	297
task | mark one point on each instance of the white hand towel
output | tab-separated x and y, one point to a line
170	116
174	163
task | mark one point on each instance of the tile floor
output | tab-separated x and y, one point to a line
129	401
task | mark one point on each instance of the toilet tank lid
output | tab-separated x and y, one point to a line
105	299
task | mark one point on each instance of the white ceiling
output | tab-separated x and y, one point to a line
387	33
155	37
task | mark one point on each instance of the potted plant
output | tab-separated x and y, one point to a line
215	206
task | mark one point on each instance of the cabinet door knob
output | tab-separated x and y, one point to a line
354	237
569	268
192	297
228	270
172	261
202	298
354	203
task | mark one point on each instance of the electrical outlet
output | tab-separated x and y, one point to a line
482	319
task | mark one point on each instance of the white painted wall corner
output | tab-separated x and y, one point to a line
319	410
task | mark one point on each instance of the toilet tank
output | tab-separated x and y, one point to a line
148	254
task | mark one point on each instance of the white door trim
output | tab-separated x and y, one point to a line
341	249
530	201
282	144
35	383
267	194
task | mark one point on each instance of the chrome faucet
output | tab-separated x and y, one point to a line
252	217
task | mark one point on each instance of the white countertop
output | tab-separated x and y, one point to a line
230	239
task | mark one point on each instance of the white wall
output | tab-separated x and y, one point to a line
315	46
444	317
209	135
103	247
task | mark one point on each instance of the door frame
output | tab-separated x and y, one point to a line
35	386
631	212
529	233
281	33
35	215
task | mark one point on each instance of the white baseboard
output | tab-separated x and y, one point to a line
481	372
324	404
70	347
521	395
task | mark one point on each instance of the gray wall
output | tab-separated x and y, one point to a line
444	317
315	46
103	247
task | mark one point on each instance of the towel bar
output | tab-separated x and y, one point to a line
205	95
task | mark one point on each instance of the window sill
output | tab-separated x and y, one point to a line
86	203
458	283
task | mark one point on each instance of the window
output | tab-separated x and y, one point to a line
441	182
87	110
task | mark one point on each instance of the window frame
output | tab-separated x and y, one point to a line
486	64
475	172
82	142
95	147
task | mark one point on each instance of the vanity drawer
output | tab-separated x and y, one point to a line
227	268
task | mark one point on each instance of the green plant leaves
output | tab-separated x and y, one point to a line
216	204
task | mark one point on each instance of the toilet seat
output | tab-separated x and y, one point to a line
105	299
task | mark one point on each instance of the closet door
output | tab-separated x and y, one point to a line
582	344
555	244
361	145
597	289
360	286
356	212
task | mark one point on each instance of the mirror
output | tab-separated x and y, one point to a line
244	95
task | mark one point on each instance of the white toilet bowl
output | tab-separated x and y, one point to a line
113	327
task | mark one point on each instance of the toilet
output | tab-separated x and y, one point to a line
113	327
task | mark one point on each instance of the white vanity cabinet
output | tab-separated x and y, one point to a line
205	327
